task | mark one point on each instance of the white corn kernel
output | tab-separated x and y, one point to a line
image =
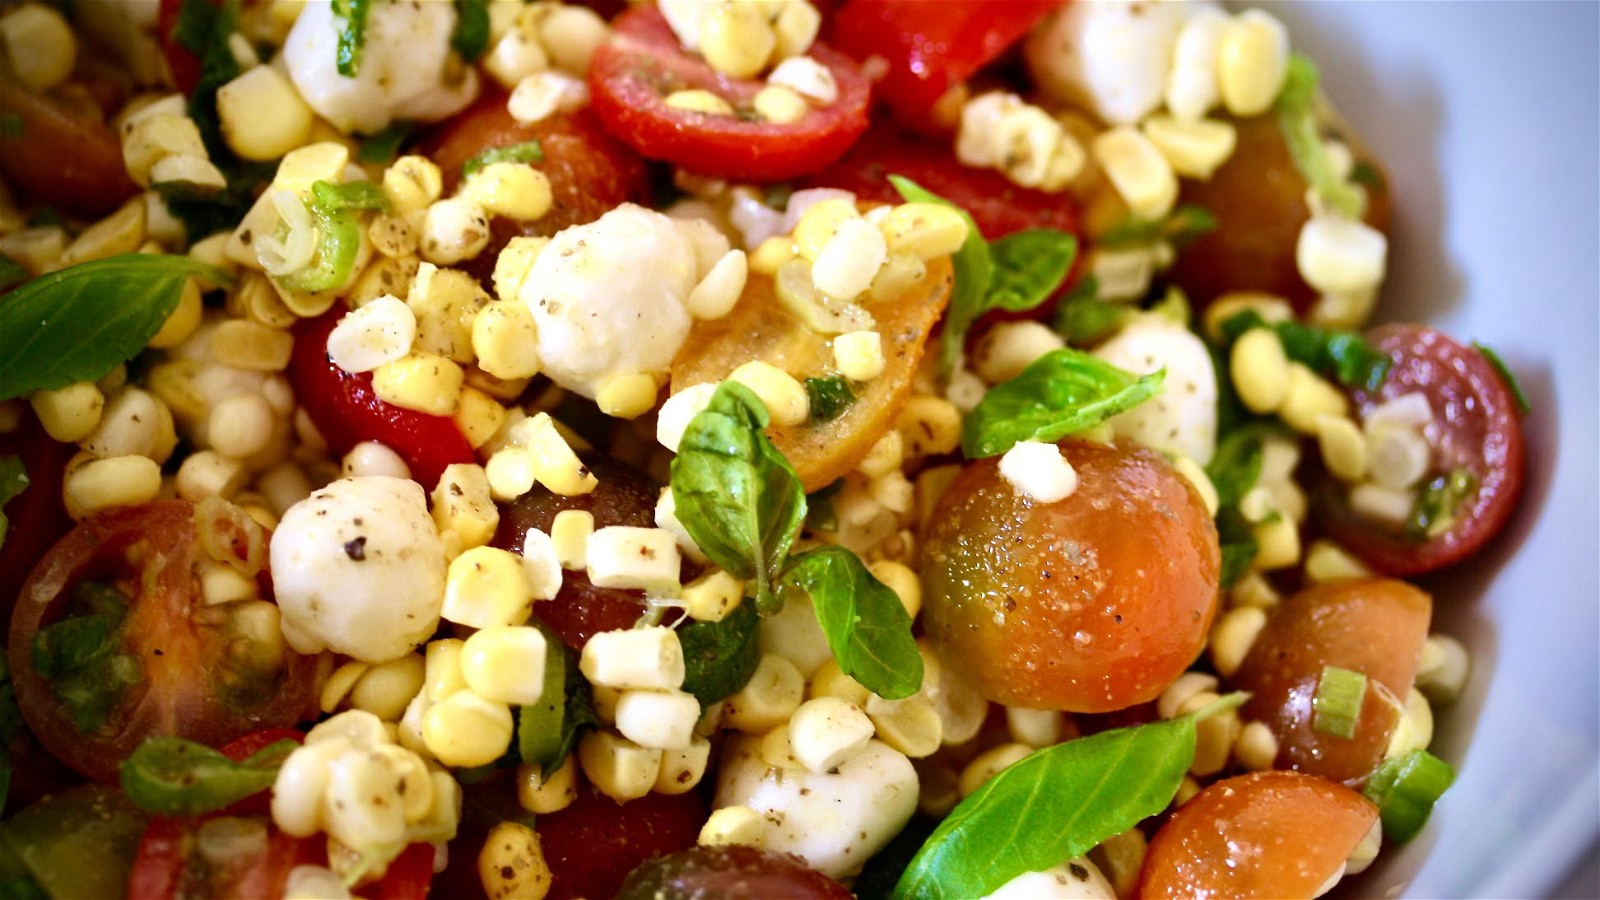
1398	456
912	726
299	787
240	426
679	409
454	230
379	332
487	587
736	39
571	34
893	492
1194	149
1233	635
339	684
1336	255
990	763
516	55
682	769
1442	672
115	481
262	114
1277	542
825	732
1256	747
1035	727
555	464
780	105
1327	562
1192	89
1038	470
629	557
1391	506
251	345
510	472
768	699
712	596
540	563
1252	62
541	794
1142	176
1214	735
39	44
616	766
1414	730
806	77
373	458
69	414
886	455
135	422
1409	410
830	681
505	664
733	825
1307	397
662	720
1009	347
1195	475
514	190
785	397
569	532
540	95
720	289
640	658
846	264
796	26
385	689
208	473
465	729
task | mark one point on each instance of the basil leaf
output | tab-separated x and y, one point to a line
203	29
1055	804
820	514
974	272
79	323
830	397
526	152
1237	541
1500	367
1296	108
1028	267
1084	319
1061	393
13	481
1342	355
867	627
385	145
12	273
1184	224
471	35
541	725
736	495
170	776
352	36
720	657
1236	465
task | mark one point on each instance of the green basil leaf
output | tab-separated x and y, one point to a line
541	726
1063	392
830	397
170	776
1055	804
1236	465
736	495
471	35
526	152
12	273
352	35
1296	108
866	625
204	29
1238	544
79	323
719	657
1342	355
1405	789
1028	267
974	272
1182	225
1504	371
1084	319
13	481
382	147
820	514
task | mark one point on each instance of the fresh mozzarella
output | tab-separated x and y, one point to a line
1076	879
1183	417
1110	57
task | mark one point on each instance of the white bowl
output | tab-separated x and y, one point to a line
1486	115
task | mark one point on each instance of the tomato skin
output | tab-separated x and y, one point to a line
1090	604
731	872
1266	834
160	631
1476	425
1376	627
38	517
347	411
629	833
930	48
634	71
68	158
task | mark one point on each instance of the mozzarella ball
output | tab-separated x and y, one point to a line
1110	57
1183	417
1075	879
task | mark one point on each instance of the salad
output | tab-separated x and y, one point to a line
753	448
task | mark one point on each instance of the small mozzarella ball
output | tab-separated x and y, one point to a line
359	568
608	298
1183	417
1075	879
833	820
1110	57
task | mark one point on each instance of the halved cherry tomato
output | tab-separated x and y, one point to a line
1089	604
760	327
37	516
347	411
731	872
193	679
1476	427
62	156
998	206
633	73
594	843
931	48
1267	835
1376	627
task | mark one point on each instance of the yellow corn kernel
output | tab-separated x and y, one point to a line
462	505
733	825
818	224
251	345
487	587
719	291
929	426
1327	561
148	139
1197	476
772	253
512	865
1035	727
262	114
188	169
37	249
627	396
71	413
505	664
420	381
1277	542
339	684
1340	256
1194	149
1256	747
555	465
779	105
1009	347
1121	859
925	230
616	766
988	764
736	39
859	355
712	596
512	265
1214	735
478	416
465	729
99	484
1252	62
848	262
1253	590
442	669
901	580
411	184
570	531
795	27
514	190
394	236
446	304
505	340
183	320
1187	789
806	77
1260	370
385	689
1344	448
1142	176
1414	731
700	102
121	232
786	398
209	474
830	681
682	769
1180	690
385	277
39	46
911	726
768	699
1308	397
541	794
1442	672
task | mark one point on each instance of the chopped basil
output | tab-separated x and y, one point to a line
1063	392
471	35
548	729
719	657
204	29
1336	706
13	481
1237	541
171	776
820	514
1296	109
1506	375
1342	355
352	34
525	152
865	623
1184	224
737	496
1405	789
1084	319
81	656
1055	804
830	397
1434	511
382	147
1017	272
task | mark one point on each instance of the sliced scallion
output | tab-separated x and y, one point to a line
1405	789
1337	703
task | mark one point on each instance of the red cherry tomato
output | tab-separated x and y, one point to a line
1476	426
347	411
181	61
593	844
998	206
1376	627
633	73
61	155
1090	604
731	872
931	48
1267	835
37	516
192	679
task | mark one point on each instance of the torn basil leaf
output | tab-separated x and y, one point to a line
865	623
1063	392
171	776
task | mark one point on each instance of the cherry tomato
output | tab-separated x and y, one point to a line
760	327
1476	427
37	516
1267	835
624	496
1376	627
61	156
731	872
1258	197
181	61
633	73
593	844
931	48
347	411
1089	604
998	206
200	675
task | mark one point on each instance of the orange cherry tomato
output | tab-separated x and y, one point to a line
1376	627
1267	834
1089	604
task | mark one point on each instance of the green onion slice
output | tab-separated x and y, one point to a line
1337	703
1405	789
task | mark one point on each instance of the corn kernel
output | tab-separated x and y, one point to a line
627	396
240	426
1142	176
487	587
925	230
1307	397
772	253
736	40
1442	672
785	398
69	414
1344	448
1038	470
462	505
661	720
121	232
506	664
263	116
209	474
148	139
379	332
479	416
680	408
929	426
806	77
643	658
1260	370
1252	62
1336	255
1197	476
1414	731
1214	735
990	763
514	190
818	224
99	484
539	793
859	355
780	105
911	726
385	689
1232	636
698	101
682	769
830	681
511	267
616	766
720	289
1256	748
1191	89
1194	149
505	340
848	261
768	699
420	381
1391	506
465	729
1398	456
454	230
1327	562
339	684
712	596
250	345
1035	727
733	825
1277	542
512	864
795	27
569	532
903	581
411	184
39	45
826	732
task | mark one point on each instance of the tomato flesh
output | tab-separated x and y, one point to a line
1376	627
633	73
628	833
1089	604
1476	427
62	157
1267	835
38	517
347	411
